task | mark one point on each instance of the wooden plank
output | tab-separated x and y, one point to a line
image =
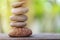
33	37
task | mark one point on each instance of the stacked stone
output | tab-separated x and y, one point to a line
19	19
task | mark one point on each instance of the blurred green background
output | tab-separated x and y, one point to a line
43	15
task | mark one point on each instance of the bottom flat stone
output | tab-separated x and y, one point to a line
20	32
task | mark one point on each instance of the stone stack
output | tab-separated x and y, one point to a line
18	21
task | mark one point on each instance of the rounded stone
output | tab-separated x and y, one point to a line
20	32
18	24
20	18
19	11
17	4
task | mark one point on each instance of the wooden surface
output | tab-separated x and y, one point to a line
41	36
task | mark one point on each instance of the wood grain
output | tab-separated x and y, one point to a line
42	36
